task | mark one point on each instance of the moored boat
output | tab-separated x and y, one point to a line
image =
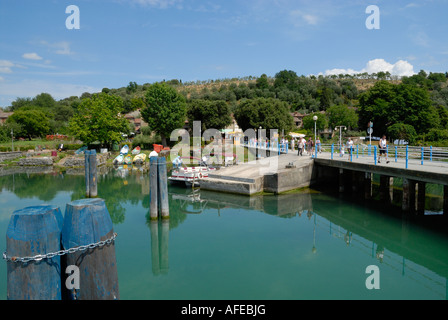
136	150
119	159
124	150
140	158
190	175
128	159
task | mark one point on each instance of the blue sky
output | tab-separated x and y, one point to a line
151	40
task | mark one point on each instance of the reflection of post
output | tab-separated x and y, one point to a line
159	246
163	246
154	228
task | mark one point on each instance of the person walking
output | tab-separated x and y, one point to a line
309	146
349	147
318	145
383	148
300	146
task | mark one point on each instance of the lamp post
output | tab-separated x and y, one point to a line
315	135
340	134
12	140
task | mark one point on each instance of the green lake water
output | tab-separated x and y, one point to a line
308	245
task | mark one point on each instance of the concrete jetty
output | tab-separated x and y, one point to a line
274	174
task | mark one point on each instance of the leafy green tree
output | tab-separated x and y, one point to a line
165	110
268	113
402	131
341	115
212	114
321	122
98	119
33	123
262	82
386	104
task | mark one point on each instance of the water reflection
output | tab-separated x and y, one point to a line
159	246
395	244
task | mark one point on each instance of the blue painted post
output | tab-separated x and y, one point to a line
332	150
374	153
357	151
315	151
423	154
163	188
430	153
93	185
368	150
351	153
87	168
34	231
407	156
153	185
396	153
87	221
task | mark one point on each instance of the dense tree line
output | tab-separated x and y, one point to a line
415	107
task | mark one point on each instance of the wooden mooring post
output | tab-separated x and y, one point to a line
87	223
34	231
158	180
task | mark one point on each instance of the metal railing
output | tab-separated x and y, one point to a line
406	153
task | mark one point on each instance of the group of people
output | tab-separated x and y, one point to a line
309	146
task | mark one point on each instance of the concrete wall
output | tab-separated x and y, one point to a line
289	179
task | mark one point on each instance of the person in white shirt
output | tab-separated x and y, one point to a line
349	146
383	148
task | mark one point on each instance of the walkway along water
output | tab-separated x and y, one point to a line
285	171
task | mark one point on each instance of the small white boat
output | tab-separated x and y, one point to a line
119	159
124	150
190	175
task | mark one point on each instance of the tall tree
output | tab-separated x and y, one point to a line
33	123
268	113
165	110
341	115
98	119
212	114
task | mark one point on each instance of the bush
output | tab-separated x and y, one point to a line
145	142
437	135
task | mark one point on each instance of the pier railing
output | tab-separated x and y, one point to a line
404	153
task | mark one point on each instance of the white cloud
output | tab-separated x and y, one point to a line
31	56
2	79
297	17
5	66
62	47
400	68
